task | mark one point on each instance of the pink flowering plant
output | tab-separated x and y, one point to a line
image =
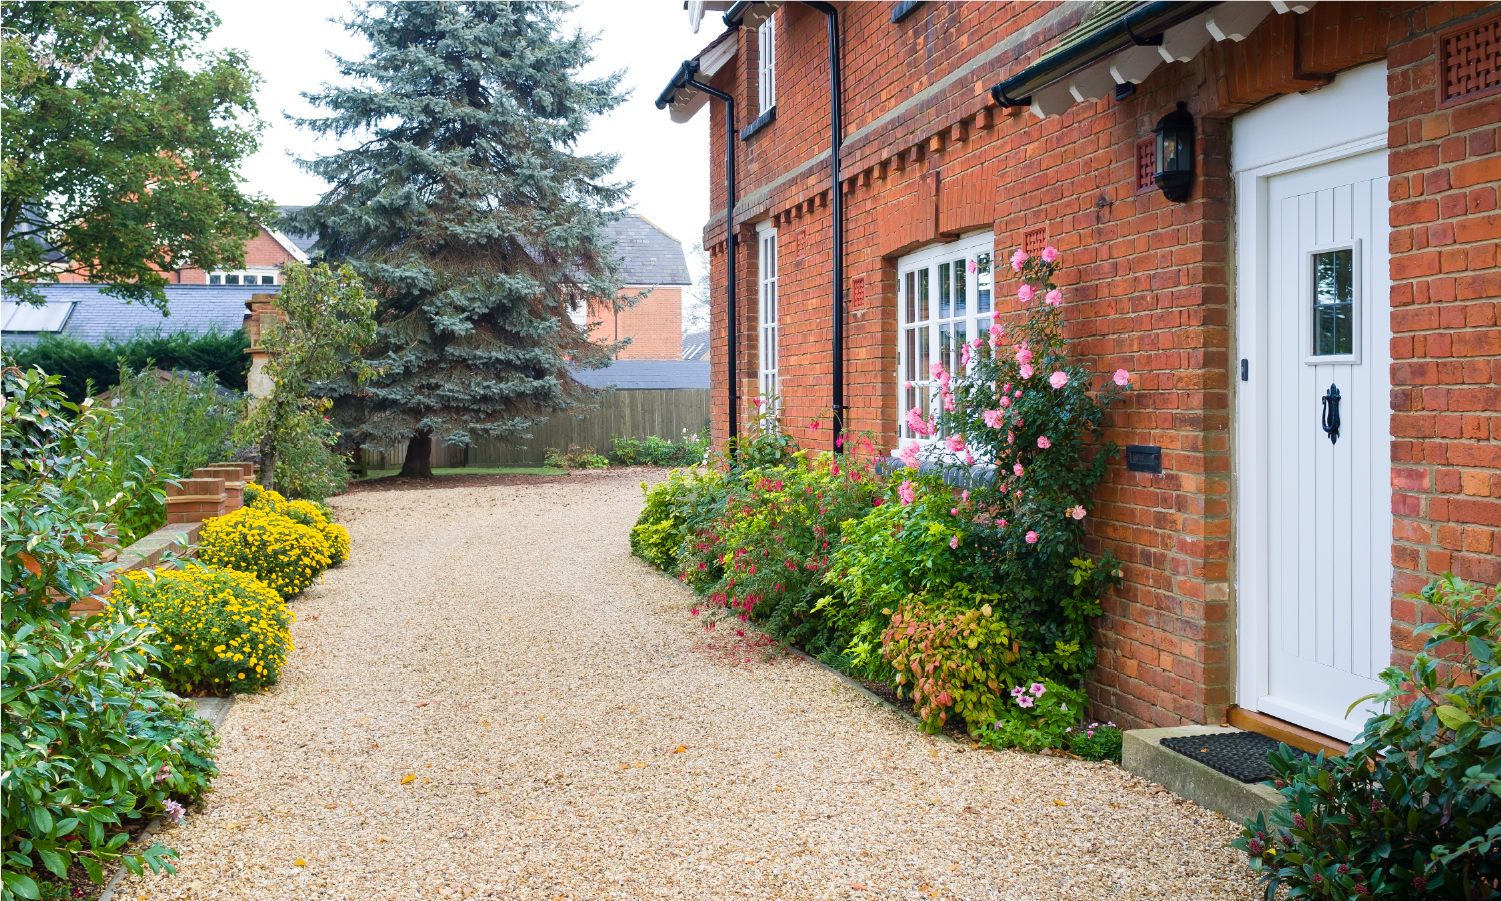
1034	415
1034	715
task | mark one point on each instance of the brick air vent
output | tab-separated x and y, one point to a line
1034	240
1146	165
857	293
1471	60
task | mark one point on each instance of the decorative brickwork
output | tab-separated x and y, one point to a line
1471	62
1147	281
195	500
1146	165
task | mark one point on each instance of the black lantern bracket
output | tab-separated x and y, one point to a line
1175	154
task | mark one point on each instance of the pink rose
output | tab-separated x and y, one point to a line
954	542
964	355
909	453
1077	512
1027	370
1050	254
917	424
1018	258
1053	298
1023	353
937	371
906	492
1058	379
1005	401
972	266
1017	468
948	400
1031	538
1025	293
1043	442
1122	377
977	343
907	384
994	418
969	458
956	443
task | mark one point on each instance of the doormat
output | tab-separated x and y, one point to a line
1239	755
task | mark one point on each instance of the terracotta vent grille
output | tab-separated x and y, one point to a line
1471	60
1146	165
1034	240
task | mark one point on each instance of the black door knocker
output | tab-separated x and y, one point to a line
1331	414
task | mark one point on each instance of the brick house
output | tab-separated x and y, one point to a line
1340	230
265	255
653	264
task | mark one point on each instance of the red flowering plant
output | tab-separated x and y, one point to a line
1029	417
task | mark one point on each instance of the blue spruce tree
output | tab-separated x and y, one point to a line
464	205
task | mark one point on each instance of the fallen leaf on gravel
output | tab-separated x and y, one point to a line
642	763
424	703
481	791
857	886
381	838
409	777
331	806
1060	803
299	862
679	749
970	810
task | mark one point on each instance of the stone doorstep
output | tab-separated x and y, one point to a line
1142	755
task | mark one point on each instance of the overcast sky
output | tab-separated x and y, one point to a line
289	43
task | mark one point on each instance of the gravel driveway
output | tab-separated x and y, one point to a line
493	699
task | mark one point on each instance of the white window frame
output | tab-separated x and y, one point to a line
766	66
928	333
241	274
766	313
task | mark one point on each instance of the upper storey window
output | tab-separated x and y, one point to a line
766	72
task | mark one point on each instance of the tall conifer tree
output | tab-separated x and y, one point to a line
463	203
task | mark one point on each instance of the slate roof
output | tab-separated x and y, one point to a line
194	308
304	242
651	256
696	345
627	375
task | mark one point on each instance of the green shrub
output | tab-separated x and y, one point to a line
220	355
1036	715
657	534
221	631
1413	810
308	466
90	739
574	458
285	555
654	451
1096	741
163	429
950	654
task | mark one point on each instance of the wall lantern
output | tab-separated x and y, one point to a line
1175	154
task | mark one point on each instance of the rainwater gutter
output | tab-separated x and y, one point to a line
836	196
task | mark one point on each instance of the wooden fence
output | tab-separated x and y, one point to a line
626	413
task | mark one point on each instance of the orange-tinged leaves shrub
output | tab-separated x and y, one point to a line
951	655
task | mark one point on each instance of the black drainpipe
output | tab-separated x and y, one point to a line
735	18
836	131
691	68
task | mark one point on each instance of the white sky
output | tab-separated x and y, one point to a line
289	43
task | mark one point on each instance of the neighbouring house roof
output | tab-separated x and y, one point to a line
304	243
696	345
93	316
649	255
628	375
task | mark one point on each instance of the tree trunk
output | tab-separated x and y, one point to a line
419	461
268	469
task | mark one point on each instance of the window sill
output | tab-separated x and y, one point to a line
904	9
761	122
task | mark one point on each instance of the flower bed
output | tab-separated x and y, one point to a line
972	602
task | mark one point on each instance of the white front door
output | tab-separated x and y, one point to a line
1325	513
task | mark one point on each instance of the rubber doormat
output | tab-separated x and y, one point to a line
1239	755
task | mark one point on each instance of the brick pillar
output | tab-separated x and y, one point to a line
234	482
195	500
262	312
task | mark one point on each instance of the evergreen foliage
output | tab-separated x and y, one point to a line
77	363
467	210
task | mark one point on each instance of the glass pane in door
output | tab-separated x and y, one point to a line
1333	302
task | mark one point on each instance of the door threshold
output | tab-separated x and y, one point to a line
1288	733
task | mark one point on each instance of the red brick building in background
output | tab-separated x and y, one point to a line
1340	232
655	270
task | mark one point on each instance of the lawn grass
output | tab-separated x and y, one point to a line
474	471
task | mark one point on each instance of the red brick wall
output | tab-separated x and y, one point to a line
1148	283
1446	295
654	324
262	250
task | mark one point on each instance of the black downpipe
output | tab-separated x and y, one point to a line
691	67
837	133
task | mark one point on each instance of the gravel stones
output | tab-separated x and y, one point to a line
571	731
